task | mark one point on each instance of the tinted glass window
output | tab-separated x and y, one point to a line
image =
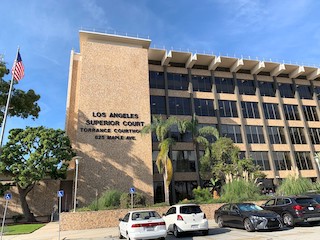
156	80
224	85
177	81
171	211
286	90
246	87
267	89
179	106
305	201
190	209
158	105
204	107
201	83
228	108
304	91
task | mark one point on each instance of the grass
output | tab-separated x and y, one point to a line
22	228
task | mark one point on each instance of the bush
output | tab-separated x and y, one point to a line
202	195
139	200
239	191
295	186
109	200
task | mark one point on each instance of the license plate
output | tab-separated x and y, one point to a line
194	226
150	228
311	208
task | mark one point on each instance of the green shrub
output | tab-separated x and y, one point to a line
202	195
239	191
139	200
295	186
109	200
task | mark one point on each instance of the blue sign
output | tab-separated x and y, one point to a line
8	196
60	193
132	190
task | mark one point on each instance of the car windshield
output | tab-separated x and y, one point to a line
190	209
249	207
136	216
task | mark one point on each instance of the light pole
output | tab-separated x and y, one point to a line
76	184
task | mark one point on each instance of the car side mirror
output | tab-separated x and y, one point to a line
120	219
263	205
163	214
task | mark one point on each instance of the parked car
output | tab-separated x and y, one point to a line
186	218
315	196
143	224
249	216
295	209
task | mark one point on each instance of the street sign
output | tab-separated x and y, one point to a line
60	193
132	190
8	196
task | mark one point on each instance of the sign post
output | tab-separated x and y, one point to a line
132	191
7	197
60	194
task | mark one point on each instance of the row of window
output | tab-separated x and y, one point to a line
254	134
184	160
227	85
204	107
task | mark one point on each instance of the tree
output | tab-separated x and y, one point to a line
161	128
222	160
22	104
33	154
200	136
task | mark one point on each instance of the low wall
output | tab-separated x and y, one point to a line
110	218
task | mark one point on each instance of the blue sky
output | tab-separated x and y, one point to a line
46	31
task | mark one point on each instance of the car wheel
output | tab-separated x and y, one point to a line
205	232
120	236
248	225
176	233
288	220
220	222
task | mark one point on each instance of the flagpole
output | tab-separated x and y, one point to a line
8	102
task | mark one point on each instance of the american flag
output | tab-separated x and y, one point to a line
18	68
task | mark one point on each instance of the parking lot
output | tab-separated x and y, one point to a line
304	232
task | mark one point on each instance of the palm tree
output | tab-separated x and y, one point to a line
161	127
199	137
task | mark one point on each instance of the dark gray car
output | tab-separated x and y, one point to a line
295	209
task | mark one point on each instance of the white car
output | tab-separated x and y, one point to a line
142	224
186	218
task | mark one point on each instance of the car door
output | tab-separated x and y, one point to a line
123	225
170	218
270	205
224	213
235	217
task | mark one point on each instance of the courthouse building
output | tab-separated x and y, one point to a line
116	83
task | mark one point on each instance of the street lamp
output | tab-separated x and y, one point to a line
76	184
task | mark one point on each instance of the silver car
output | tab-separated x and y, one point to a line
186	218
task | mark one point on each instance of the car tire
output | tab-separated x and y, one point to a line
220	222
176	232
288	220
248	225
205	232
120	236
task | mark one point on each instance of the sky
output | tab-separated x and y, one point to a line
46	31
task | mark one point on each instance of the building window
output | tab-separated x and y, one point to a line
158	104
286	90
297	135
315	135
261	159
267	89
232	131
250	110
179	106
180	137
158	188
246	87
282	160
255	134
184	161
291	112
303	160
310	113
201	83
276	135
178	81
184	189
317	91
154	159
271	111
304	91
156	80
224	85
228	108
204	107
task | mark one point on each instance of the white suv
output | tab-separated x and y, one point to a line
186	218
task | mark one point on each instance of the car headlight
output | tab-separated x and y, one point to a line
257	219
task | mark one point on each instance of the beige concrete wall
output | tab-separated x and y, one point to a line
111	78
